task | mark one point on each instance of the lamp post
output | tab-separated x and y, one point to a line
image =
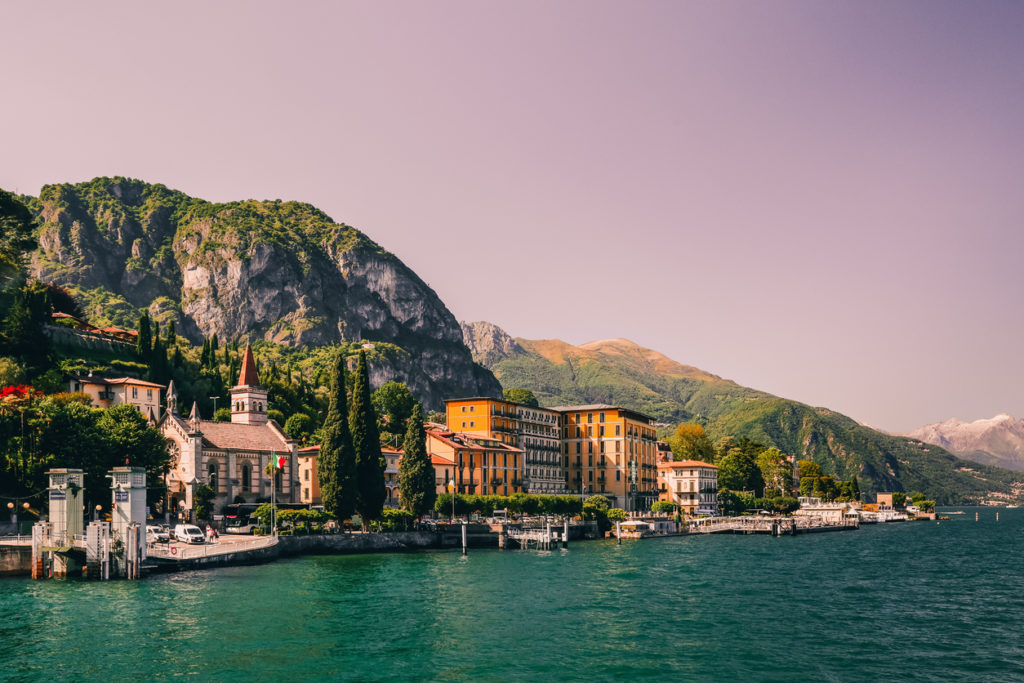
14	517
215	406
96	513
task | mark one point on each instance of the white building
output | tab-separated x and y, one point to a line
230	457
690	484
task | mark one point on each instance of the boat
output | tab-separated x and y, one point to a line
958	512
1011	507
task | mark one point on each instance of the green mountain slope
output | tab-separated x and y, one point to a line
277	271
623	373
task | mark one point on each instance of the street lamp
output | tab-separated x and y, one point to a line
14	517
215	406
96	513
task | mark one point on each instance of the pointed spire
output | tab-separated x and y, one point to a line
152	417
194	416
172	398
248	377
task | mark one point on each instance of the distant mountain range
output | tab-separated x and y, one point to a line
621	372
995	441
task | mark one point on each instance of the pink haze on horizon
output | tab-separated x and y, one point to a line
815	199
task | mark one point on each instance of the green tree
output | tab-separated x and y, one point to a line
21	335
524	396
738	471
393	402
129	440
776	471
416	486
299	426
144	340
17	236
810	472
202	502
663	506
616	515
370	492
691	442
336	464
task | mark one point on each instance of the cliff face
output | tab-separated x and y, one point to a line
281	271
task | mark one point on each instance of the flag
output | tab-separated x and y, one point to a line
280	462
451	486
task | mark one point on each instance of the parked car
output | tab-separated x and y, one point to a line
189	533
157	534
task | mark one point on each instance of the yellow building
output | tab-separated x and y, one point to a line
610	451
106	393
534	430
309	484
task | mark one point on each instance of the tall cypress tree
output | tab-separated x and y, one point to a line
336	465
144	340
370	492
416	484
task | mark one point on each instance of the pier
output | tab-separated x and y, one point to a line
770	526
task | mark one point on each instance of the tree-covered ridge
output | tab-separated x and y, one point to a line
169	217
608	372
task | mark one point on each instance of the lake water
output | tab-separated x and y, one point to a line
918	601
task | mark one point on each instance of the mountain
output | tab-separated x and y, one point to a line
279	271
996	441
620	372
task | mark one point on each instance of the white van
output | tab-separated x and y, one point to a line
189	533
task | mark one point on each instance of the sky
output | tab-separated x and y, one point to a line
817	199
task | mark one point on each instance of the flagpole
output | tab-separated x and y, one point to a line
273	493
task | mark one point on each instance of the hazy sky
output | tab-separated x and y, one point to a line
818	199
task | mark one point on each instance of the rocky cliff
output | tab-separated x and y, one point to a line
280	271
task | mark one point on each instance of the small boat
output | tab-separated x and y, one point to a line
958	512
1011	507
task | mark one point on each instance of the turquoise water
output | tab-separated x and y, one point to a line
920	601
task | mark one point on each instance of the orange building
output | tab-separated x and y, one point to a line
481	465
610	451
533	430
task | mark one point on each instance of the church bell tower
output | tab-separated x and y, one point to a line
248	399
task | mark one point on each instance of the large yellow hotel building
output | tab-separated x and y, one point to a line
533	430
586	449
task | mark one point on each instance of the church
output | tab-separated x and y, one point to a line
229	457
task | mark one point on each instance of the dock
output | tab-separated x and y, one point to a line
769	526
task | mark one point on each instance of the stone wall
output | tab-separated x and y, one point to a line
15	559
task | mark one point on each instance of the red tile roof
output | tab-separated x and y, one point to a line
241	437
668	464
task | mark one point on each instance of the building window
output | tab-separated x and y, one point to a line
600	417
472	408
590	461
212	468
463	424
602	446
590	475
600	430
307	475
463	408
305	493
618	475
618	446
618	430
135	392
590	447
149	394
590	418
578	447
472	423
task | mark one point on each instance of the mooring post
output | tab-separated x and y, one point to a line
565	534
463	538
618	532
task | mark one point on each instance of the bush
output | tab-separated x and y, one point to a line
393	519
663	506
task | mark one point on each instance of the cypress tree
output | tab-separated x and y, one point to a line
416	477
172	336
144	340
204	356
336	465
370	492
